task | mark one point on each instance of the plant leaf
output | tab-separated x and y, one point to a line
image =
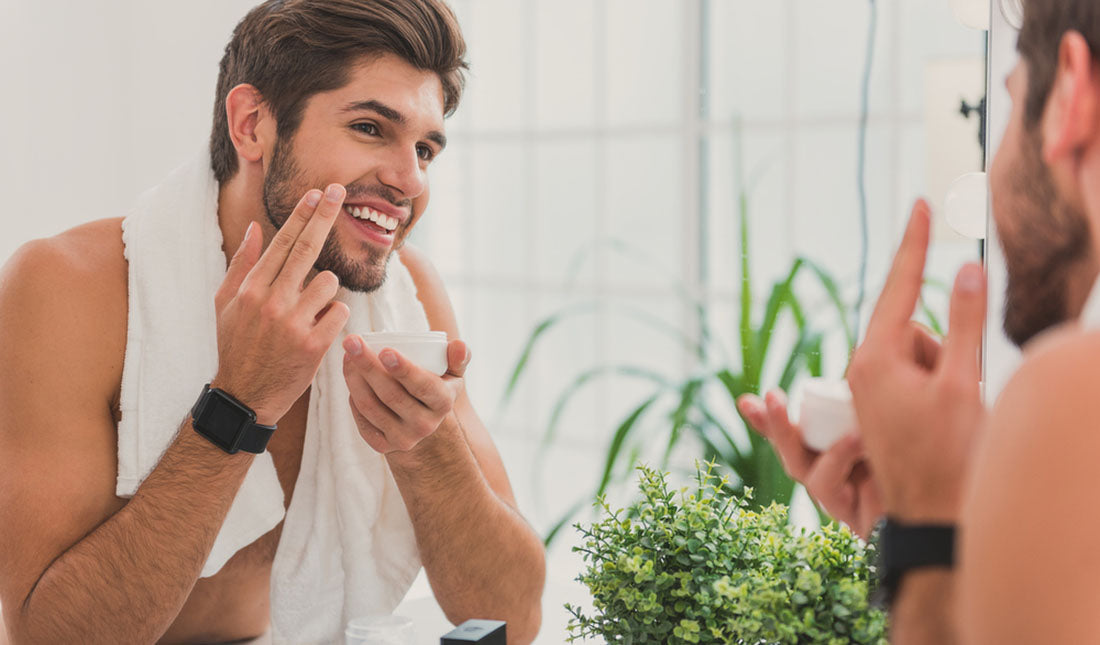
619	438
837	299
544	325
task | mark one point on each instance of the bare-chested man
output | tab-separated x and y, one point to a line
1020	481
324	107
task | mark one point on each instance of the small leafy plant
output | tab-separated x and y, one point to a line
699	566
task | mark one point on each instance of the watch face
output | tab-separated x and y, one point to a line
222	420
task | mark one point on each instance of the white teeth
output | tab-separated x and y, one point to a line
381	219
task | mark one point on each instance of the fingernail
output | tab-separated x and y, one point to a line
468	356
313	197
248	232
334	192
970	278
388	358
353	346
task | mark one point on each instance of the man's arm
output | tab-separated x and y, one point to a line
74	558
73	563
920	416
482	558
1029	550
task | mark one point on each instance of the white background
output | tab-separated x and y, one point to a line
584	120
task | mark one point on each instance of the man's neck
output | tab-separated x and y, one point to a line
240	201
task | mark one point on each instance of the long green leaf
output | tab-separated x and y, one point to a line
689	391
837	299
548	323
619	438
712	422
545	325
585	377
561	523
808	343
735	384
780	296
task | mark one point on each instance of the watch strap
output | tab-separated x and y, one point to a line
903	547
255	438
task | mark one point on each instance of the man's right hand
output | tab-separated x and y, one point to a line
273	329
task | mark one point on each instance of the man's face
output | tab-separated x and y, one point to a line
1045	239
376	136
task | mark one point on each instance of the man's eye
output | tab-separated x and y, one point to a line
425	153
366	128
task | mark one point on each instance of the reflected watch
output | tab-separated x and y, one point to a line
227	423
904	547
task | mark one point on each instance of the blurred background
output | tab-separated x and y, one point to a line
614	168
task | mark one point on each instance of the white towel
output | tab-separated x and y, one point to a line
347	547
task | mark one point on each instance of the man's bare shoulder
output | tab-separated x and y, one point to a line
63	303
430	290
1053	394
1033	476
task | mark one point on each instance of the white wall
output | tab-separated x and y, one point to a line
101	99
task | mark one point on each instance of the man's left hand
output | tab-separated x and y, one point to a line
397	404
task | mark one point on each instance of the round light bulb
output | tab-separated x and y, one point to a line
972	13
1013	11
966	205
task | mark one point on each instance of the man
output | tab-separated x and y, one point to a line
1018	481
328	113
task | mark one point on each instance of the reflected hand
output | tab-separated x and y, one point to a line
920	407
837	479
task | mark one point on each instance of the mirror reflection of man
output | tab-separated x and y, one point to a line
1019	481
328	115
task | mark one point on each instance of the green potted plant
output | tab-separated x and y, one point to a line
698	565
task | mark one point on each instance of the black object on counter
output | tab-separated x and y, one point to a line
486	632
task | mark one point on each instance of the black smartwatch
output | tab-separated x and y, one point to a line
902	547
227	423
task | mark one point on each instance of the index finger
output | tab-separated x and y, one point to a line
276	253
309	244
899	296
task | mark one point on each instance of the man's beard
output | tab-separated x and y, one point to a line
284	186
1047	251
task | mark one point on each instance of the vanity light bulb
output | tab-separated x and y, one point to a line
966	205
972	13
1013	11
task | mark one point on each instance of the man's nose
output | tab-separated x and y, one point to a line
402	172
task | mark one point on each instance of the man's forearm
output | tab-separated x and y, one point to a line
482	558
126	581
924	611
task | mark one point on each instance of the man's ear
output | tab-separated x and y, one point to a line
251	126
1069	120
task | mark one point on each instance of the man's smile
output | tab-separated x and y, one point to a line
384	222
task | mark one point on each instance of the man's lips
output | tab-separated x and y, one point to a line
368	231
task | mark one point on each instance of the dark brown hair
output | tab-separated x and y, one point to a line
292	49
1045	22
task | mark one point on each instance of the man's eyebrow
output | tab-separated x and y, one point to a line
379	108
438	138
390	114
